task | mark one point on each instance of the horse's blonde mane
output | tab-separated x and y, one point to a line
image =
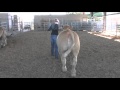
67	27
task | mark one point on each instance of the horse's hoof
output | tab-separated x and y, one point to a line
73	73
64	69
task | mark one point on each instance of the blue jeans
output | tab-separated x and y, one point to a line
54	48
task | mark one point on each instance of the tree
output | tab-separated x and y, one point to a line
98	14
74	12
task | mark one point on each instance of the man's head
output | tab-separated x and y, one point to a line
56	21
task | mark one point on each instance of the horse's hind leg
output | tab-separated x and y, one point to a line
5	41
74	63
75	52
63	60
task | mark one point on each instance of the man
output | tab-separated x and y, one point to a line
54	27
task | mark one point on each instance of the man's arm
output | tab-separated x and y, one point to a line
50	28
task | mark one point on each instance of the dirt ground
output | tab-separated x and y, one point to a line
27	55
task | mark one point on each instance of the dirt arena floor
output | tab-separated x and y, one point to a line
27	55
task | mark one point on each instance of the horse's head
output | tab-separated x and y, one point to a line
1	28
67	27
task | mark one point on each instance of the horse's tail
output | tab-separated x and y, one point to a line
73	43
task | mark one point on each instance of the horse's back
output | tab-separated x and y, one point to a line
64	36
65	40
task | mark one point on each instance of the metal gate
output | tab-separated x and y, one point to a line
76	24
117	29
26	26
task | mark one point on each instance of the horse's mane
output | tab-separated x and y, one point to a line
66	27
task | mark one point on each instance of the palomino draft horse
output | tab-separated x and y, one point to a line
68	41
3	37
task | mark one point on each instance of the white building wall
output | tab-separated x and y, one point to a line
111	21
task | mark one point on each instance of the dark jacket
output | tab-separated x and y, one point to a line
54	30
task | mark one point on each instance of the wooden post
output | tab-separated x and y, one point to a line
0	22
116	29
91	13
104	21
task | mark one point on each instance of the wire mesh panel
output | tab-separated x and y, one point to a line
76	24
44	22
28	25
118	29
4	23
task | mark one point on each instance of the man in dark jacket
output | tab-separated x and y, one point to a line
54	27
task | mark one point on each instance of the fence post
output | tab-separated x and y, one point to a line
116	28
0	22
